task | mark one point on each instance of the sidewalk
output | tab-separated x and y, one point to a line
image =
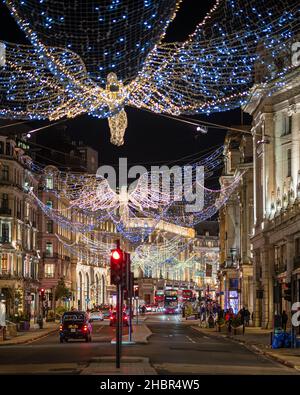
129	366
258	340
31	335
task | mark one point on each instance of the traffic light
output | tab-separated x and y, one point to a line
116	263
136	291
287	294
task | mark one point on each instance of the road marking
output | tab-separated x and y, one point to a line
205	337
191	339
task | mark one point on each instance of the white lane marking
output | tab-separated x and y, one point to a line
205	337
190	339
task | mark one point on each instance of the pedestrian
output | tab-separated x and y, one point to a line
284	320
247	317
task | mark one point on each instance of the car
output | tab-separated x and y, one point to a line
75	325
96	315
106	311
113	319
148	308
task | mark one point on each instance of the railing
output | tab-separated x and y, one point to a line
49	275
10	276
54	255
5	210
296	262
4	240
280	268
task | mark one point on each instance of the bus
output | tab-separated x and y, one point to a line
171	302
187	295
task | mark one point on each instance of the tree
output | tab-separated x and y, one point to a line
61	290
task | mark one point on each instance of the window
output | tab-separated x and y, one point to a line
289	163
8	149
49	270
297	246
5	173
49	227
49	249
4	267
286	125
4	200
49	204
49	182
5	232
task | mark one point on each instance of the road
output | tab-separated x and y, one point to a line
174	348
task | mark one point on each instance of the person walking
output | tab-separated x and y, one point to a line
284	320
247	317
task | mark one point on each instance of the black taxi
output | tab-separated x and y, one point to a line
75	325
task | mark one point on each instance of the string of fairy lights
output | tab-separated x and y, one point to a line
96	58
87	200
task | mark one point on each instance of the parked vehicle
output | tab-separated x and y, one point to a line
75	325
96	315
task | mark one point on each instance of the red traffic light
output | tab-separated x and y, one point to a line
116	255
116	263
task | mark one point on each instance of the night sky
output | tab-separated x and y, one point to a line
149	137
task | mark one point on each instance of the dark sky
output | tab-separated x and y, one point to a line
149	137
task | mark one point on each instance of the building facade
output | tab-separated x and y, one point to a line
276	171
19	255
236	223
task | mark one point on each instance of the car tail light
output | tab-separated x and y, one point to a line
125	318
85	328
111	317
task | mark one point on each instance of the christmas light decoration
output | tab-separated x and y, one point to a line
98	57
89	200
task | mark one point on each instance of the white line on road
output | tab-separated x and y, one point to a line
191	339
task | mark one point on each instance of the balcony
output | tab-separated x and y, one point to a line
296	262
4	240
280	268
51	256
5	211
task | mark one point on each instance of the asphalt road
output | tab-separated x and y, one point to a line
174	348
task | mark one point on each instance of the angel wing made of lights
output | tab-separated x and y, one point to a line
212	71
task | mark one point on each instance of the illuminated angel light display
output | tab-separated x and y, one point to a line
100	57
136	212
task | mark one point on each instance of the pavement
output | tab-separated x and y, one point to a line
31	335
129	366
258	340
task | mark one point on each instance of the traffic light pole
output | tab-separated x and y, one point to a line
119	326
130	306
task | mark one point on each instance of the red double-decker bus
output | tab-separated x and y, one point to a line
187	295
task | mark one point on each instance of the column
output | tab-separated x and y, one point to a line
267	279
255	287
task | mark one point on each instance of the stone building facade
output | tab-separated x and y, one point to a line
276	170
236	223
19	255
